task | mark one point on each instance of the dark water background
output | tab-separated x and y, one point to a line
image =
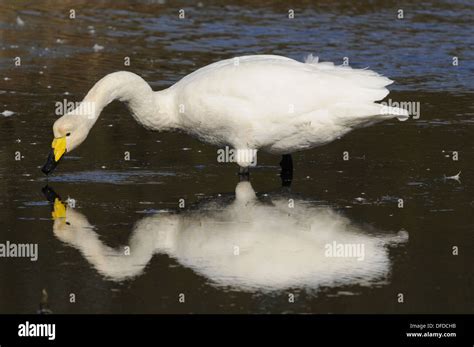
389	161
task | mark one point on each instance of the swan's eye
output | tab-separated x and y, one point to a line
68	134
68	223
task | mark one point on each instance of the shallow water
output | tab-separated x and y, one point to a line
191	249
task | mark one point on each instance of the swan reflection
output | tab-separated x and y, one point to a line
245	242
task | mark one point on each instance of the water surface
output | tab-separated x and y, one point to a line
190	249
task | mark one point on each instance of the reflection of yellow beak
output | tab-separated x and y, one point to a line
59	146
59	209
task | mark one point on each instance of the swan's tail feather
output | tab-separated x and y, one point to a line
363	87
362	115
361	84
311	59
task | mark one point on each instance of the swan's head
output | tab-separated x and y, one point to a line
69	132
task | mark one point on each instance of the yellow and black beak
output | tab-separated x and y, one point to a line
58	148
59	208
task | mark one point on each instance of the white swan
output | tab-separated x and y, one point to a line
246	243
260	102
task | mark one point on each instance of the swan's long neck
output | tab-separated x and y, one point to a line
154	110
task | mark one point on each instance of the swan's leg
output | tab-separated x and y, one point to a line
286	170
244	174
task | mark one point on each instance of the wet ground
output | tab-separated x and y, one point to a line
129	246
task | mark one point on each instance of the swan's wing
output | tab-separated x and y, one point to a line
214	67
275	86
279	92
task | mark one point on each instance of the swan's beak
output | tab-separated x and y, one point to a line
58	148
59	209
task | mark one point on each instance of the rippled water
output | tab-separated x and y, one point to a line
190	249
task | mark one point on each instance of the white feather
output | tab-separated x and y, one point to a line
261	102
